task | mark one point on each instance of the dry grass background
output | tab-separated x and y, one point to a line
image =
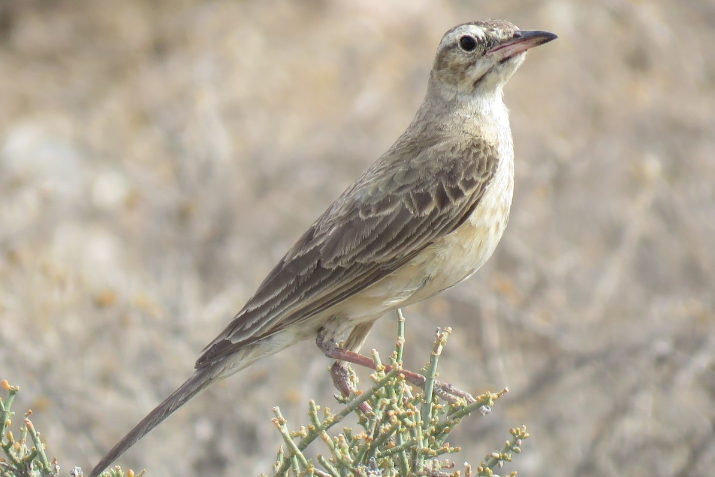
157	158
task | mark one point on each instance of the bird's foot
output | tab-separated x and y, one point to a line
451	394
444	390
344	381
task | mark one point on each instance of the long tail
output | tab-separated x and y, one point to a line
201	379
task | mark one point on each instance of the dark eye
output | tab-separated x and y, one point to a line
467	43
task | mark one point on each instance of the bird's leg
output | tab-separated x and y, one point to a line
340	371
341	374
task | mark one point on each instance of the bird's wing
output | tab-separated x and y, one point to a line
402	204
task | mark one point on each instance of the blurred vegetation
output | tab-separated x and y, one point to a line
157	158
24	456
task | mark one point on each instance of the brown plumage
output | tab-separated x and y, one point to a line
425	216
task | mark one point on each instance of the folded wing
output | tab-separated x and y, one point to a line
401	205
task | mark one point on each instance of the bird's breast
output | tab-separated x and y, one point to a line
446	262
456	256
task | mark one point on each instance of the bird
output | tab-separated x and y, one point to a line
422	218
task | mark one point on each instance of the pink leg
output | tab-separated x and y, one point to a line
341	376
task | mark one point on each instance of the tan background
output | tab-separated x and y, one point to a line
157	158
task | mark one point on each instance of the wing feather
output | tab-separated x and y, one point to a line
401	205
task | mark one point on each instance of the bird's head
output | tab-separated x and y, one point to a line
478	58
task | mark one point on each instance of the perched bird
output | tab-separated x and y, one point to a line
424	217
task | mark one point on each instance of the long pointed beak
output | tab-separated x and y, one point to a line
522	41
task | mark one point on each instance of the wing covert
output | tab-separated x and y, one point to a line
399	206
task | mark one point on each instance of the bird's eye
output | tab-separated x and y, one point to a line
467	43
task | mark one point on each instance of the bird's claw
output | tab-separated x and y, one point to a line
451	394
342	379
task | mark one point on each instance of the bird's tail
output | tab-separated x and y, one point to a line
201	379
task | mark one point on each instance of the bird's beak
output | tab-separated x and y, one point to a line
520	42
